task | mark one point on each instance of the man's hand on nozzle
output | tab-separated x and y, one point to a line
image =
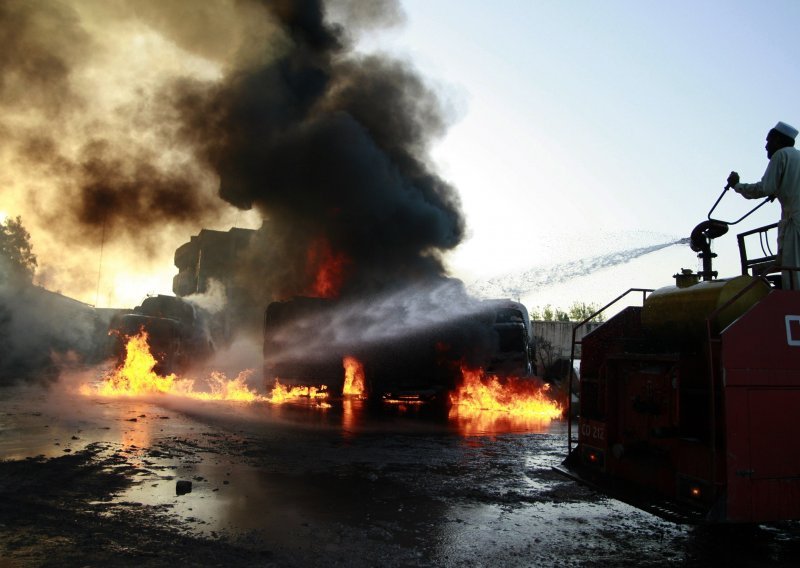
733	179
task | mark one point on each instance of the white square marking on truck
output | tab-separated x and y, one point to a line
793	331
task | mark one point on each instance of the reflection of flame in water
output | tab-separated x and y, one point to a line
136	377
403	402
350	415
354	378
135	434
485	403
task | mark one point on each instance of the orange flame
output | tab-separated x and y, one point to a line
282	393
136	377
328	268
524	398
354	378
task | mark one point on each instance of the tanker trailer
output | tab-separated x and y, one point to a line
307	338
687	403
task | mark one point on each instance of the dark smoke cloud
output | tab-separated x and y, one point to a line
130	194
329	144
134	122
85	172
280	115
41	44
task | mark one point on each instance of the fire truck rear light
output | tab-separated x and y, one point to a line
694	490
593	457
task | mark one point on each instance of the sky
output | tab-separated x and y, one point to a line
587	127
576	130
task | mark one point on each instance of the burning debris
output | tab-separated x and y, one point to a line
136	377
479	401
487	403
282	393
526	398
354	380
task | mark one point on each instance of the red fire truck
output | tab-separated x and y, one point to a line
688	404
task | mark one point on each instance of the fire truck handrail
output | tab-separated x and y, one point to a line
757	230
748	263
575	328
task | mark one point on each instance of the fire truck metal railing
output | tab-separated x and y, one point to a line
644	292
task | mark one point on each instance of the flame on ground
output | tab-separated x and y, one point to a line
283	393
354	378
488	399
136	377
479	403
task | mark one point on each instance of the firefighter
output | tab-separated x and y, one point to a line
781	180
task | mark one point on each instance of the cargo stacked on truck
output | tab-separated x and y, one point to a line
687	403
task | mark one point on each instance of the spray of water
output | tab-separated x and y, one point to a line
523	283
379	319
399	315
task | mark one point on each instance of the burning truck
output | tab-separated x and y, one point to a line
177	332
303	344
514	353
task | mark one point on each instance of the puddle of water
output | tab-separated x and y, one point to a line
562	534
227	495
49	423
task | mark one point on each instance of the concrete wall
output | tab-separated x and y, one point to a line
559	334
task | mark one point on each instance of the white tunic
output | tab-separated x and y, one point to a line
782	180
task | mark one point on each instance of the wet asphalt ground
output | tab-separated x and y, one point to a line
303	485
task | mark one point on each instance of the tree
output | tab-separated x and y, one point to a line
549	313
17	261
579	311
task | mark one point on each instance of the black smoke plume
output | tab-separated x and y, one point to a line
329	144
270	107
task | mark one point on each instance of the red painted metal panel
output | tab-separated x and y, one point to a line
763	454
766	337
760	356
775	499
774	444
737	452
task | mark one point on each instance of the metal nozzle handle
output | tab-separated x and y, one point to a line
726	188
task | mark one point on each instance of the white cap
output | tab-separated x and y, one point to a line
786	129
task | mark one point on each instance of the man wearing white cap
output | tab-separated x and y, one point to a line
782	181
